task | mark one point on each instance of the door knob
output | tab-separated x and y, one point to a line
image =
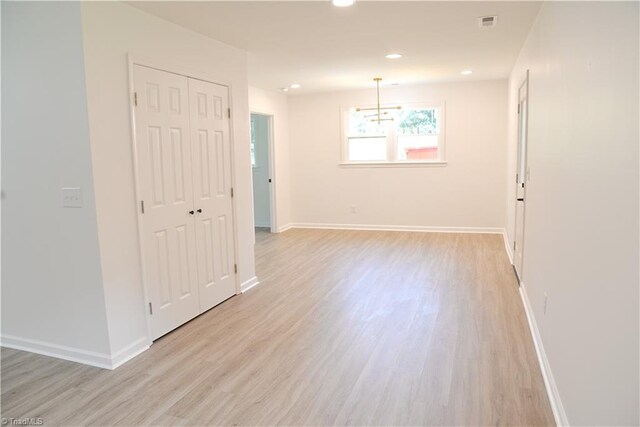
191	212
199	211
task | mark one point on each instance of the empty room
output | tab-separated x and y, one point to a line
314	213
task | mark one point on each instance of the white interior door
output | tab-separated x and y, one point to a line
166	192
521	177
211	159
261	132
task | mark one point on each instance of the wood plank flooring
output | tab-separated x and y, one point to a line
345	328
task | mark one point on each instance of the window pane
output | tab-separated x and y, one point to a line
368	149
418	122
362	123
417	147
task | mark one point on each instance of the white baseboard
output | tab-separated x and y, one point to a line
285	228
121	357
262	225
99	360
244	287
507	245
415	228
552	390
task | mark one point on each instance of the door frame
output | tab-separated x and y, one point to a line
132	61
524	83
272	169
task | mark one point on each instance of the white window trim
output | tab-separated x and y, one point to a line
344	139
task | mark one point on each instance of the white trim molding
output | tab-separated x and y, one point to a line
507	246
285	228
245	286
550	384
100	360
396	164
91	358
414	228
122	356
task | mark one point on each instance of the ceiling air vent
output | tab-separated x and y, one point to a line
488	21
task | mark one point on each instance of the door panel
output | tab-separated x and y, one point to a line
164	178
521	178
211	159
223	228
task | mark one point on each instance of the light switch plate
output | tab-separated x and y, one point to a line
71	197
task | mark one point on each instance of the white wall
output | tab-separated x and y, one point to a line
468	192
52	297
112	30
276	105
581	227
261	192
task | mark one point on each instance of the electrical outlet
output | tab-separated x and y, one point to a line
72	197
546	298
353	209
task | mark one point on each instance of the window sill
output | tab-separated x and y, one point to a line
434	163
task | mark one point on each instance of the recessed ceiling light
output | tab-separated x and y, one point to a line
343	3
393	56
466	72
285	89
295	86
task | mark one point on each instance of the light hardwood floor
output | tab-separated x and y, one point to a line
345	328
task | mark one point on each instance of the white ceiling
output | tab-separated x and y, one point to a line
323	47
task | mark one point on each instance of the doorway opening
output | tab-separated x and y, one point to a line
262	168
522	174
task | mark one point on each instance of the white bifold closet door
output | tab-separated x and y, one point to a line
211	160
184	181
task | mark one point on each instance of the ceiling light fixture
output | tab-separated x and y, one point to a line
295	86
343	3
285	89
377	117
393	56
466	72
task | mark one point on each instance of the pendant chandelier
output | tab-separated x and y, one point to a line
380	112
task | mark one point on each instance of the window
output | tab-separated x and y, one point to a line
408	134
